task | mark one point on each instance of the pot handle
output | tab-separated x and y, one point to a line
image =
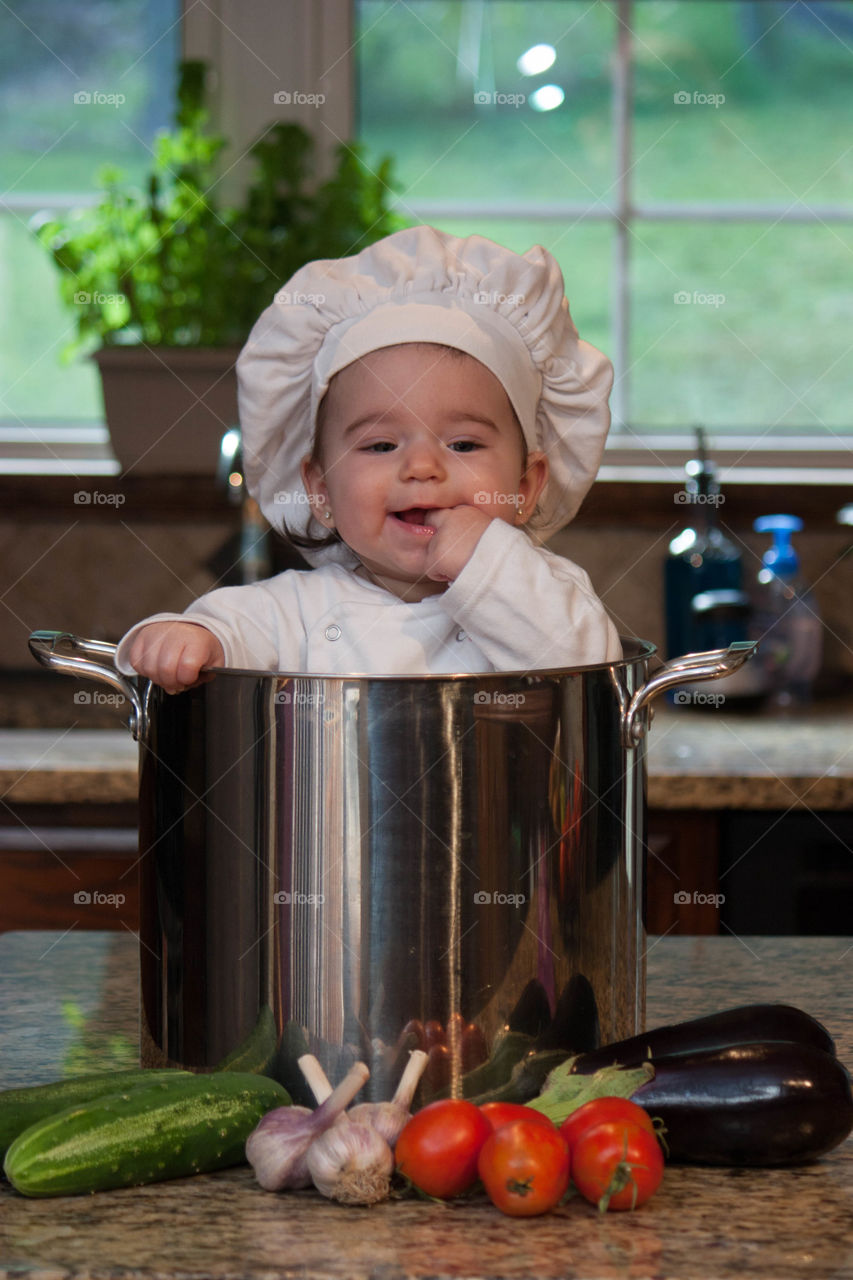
712	665
91	660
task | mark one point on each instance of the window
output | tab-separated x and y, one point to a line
82	85
689	165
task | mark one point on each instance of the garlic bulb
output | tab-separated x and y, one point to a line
389	1118
277	1148
351	1163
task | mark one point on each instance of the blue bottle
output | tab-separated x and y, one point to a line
701	560
785	619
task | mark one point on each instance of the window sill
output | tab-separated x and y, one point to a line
638	483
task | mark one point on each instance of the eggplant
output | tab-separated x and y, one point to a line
575	1026
532	1012
745	1024
770	1103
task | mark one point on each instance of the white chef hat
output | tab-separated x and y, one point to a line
508	310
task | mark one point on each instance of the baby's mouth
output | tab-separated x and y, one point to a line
413	515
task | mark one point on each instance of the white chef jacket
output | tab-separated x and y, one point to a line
514	607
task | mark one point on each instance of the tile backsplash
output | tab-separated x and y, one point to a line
97	579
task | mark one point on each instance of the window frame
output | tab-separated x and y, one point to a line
317	47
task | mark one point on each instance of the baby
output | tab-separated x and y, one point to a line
418	418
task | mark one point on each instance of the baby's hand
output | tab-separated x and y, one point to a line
457	532
173	654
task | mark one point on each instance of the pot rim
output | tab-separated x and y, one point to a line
644	649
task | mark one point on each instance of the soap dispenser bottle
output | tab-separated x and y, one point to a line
785	618
703	565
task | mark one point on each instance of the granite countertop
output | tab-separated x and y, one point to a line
64	766
719	759
718	1223
707	758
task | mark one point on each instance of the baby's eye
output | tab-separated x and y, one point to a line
465	446
380	446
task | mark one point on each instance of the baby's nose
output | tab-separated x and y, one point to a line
423	459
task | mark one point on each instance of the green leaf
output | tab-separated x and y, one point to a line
564	1092
191	270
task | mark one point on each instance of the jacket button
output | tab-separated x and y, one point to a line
460	635
333	632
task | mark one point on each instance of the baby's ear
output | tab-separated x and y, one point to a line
312	475
531	484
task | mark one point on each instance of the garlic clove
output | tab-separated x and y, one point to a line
386	1118
276	1148
352	1164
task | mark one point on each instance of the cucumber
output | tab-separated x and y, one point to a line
19	1108
257	1051
166	1129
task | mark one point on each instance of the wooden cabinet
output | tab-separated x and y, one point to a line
682	871
69	867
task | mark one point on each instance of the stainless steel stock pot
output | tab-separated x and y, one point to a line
358	865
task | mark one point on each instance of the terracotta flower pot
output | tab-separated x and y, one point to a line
167	408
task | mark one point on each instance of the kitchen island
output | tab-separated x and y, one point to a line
722	1223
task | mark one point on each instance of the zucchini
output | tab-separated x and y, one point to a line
165	1129
19	1108
527	1078
509	1048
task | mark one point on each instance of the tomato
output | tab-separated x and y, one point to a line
434	1033
415	1029
525	1168
474	1047
603	1111
617	1165
501	1113
439	1146
437	1073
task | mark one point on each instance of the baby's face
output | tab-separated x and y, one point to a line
408	430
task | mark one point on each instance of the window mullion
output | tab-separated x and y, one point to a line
620	284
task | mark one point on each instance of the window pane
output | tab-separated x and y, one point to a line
441	91
743	100
741	327
34	327
82	85
583	252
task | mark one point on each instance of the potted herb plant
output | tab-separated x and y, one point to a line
166	281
